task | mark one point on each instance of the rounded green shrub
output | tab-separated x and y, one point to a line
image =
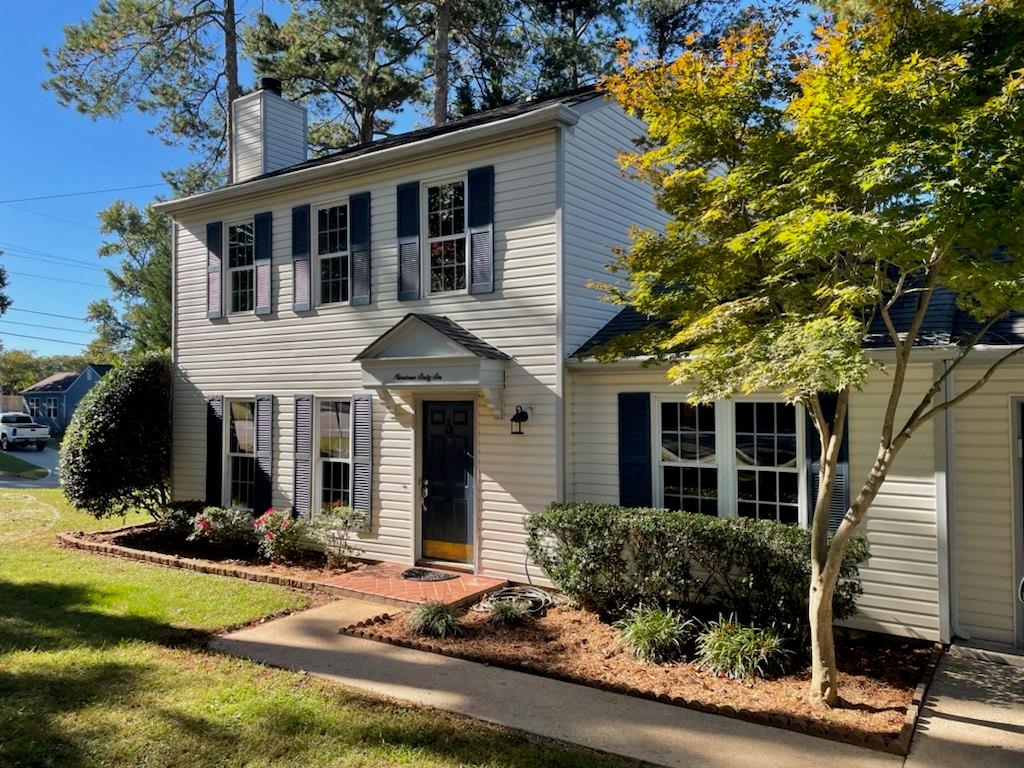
509	613
434	619
279	536
115	456
727	647
656	634
176	518
224	528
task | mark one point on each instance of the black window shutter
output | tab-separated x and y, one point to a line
301	271
263	247
263	490
635	449
840	500
214	450
408	201
303	490
359	247
481	230
214	280
362	457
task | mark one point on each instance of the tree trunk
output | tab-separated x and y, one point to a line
231	76
824	690
441	28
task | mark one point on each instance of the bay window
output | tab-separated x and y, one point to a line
731	458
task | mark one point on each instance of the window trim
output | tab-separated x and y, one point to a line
226	449
316	256
228	270
51	400
426	240
318	489
725	453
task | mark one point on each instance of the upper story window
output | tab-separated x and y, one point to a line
446	236
332	253
241	272
731	459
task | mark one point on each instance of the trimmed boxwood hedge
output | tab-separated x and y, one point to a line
610	559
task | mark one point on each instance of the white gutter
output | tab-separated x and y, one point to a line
550	116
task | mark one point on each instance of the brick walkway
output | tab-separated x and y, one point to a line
383	581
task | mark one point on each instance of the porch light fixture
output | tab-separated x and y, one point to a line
519	418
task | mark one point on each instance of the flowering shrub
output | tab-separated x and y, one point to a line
223	527
334	529
279	536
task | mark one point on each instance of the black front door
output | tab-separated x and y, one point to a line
447	487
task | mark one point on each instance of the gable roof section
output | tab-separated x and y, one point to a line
62	381
511	119
450	330
944	324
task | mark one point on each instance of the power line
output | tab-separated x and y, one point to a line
14	247
42	338
90	227
47	327
78	194
48	314
48	260
58	279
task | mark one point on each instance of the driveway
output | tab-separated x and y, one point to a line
46	458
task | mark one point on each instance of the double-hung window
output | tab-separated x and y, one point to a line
241	267
51	407
332	253
333	439
241	453
446	236
33	408
689	464
737	459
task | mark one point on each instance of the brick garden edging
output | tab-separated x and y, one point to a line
79	541
899	745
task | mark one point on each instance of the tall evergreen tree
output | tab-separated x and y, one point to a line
573	41
350	61
175	59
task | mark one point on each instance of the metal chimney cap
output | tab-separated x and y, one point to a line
271	84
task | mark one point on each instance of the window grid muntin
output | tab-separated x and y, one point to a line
51	407
332	253
446	236
241	425
241	267
334	453
687	444
767	461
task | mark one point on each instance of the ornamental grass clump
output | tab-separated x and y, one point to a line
656	634
727	647
434	619
509	613
223	528
279	536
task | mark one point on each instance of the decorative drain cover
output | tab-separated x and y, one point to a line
422	574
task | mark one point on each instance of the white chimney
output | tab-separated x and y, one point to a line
268	132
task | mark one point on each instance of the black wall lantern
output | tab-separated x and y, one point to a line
519	418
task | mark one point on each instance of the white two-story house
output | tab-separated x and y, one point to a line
405	327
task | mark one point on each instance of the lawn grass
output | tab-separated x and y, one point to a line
12	466
101	665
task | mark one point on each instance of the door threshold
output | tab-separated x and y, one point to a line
446	565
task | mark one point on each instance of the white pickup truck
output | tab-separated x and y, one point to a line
19	429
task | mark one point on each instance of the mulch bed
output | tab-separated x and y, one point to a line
146	543
883	679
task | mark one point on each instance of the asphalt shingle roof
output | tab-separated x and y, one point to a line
60	382
449	329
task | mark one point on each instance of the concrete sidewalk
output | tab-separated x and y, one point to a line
974	717
622	725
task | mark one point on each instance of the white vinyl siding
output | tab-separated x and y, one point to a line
311	353
600	205
900	579
985	506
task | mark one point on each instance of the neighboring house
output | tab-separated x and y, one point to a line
53	400
360	329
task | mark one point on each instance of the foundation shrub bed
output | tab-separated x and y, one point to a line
657	634
176	519
224	528
610	559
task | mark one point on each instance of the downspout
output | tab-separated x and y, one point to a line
945	494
